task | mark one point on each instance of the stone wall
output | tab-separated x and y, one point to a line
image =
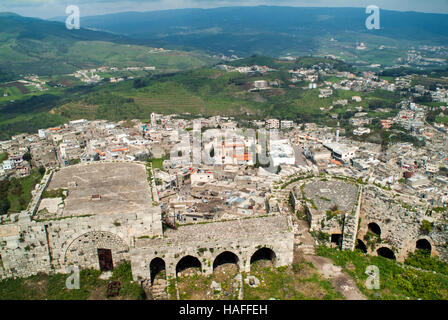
400	225
207	241
32	246
83	251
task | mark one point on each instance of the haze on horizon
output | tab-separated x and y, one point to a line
54	8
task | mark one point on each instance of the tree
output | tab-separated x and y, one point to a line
139	83
4	206
42	170
27	156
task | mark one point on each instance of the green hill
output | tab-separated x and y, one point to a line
34	46
204	91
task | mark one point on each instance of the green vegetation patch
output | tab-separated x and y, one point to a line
396	281
15	194
53	287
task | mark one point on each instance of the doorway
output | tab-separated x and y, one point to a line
105	259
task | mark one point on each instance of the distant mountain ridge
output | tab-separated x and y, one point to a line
268	29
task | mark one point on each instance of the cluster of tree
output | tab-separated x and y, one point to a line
140	83
6	76
18	190
4	202
443	171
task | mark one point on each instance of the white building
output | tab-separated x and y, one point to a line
431	168
360	131
281	152
341	151
8	165
201	176
42	133
261	84
287	124
325	93
273	124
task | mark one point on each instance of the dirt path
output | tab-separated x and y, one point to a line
342	282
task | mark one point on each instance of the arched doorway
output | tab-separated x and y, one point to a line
360	245
157	269
423	245
374	228
264	257
336	238
225	258
188	265
386	253
99	249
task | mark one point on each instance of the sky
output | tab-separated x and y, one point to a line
56	8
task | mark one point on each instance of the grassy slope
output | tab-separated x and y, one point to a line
33	46
396	280
52	287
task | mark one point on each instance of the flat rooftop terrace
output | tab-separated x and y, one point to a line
326	194
121	187
222	231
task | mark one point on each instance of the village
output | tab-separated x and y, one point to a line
133	188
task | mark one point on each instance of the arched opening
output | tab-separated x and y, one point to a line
386	253
263	257
374	228
188	265
100	248
157	269
226	260
336	238
423	245
360	245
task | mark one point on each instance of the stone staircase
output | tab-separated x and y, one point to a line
302	238
158	290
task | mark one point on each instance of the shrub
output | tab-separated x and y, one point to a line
426	227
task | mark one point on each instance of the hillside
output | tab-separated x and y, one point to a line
274	31
204	91
34	46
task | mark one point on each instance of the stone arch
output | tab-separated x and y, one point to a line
386	253
374	228
423	244
188	262
83	250
263	253
156	266
226	257
360	245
